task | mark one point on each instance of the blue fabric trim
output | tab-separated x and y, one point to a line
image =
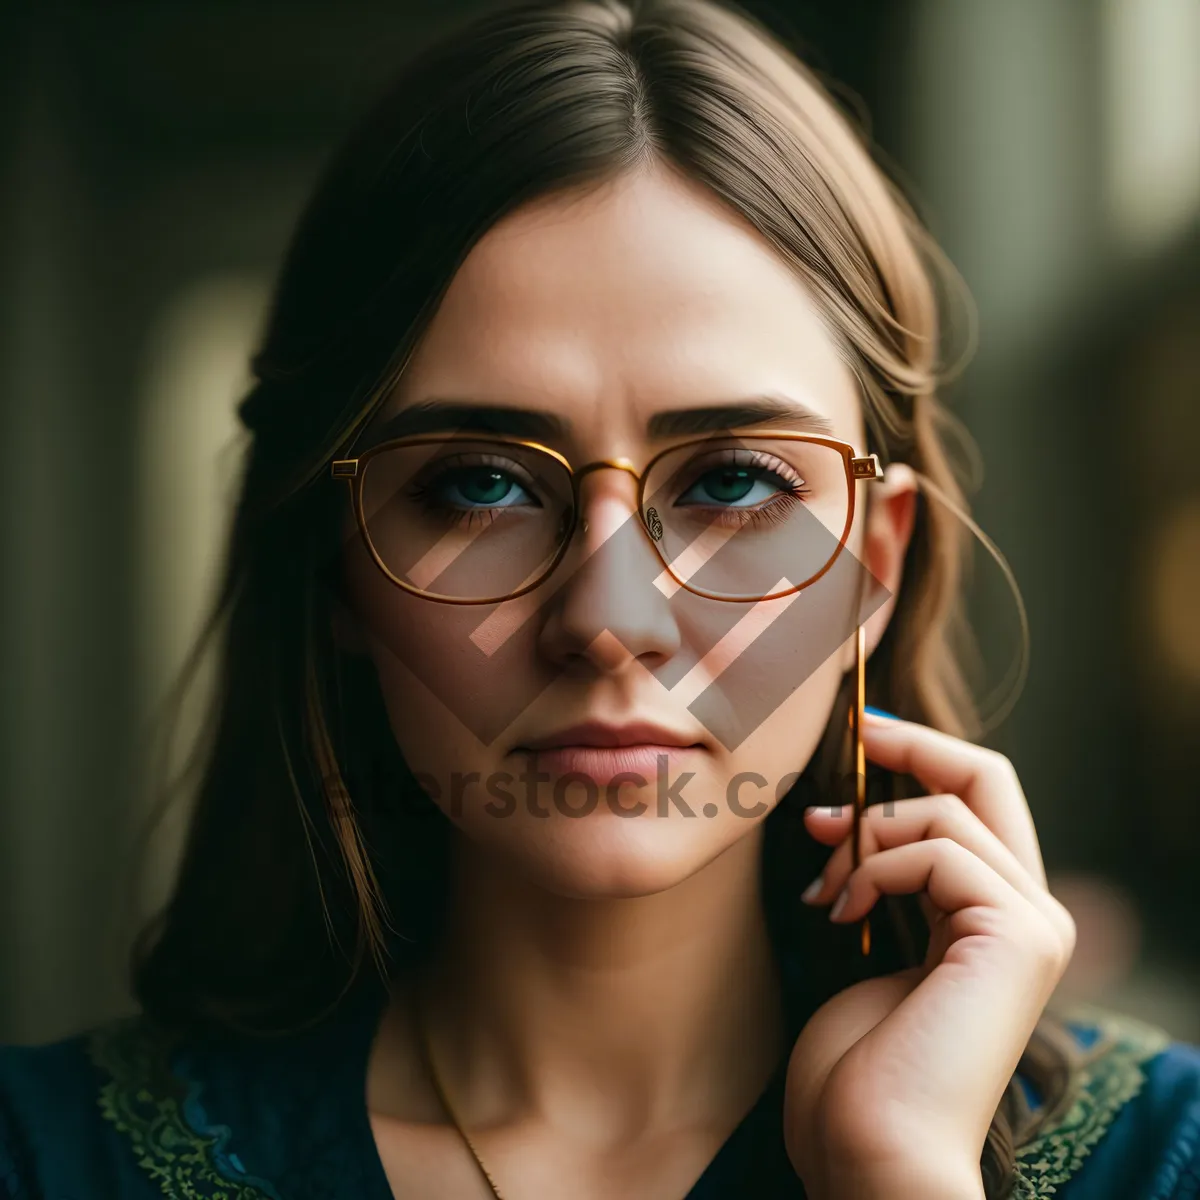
226	1162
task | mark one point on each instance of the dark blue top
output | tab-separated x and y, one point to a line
129	1112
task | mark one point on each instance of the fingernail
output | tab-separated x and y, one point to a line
839	904
878	712
811	892
826	810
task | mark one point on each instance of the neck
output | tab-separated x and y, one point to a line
611	1014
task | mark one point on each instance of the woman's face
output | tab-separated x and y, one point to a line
608	734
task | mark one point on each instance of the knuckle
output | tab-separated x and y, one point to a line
1066	923
1050	948
1070	944
947	807
946	847
998	923
1001	766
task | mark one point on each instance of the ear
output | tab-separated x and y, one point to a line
888	529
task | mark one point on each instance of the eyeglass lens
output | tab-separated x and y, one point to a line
735	518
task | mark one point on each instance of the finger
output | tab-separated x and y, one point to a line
903	822
984	779
831	825
975	899
900	822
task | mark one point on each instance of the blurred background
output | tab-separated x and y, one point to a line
154	156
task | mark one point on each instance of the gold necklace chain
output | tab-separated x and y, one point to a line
443	1099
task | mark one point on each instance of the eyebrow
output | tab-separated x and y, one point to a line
455	416
461	416
740	414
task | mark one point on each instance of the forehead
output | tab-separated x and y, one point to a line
614	304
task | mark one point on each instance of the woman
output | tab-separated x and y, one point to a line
596	463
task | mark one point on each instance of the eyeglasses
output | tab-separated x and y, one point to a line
466	519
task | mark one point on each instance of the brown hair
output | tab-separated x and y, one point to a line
290	873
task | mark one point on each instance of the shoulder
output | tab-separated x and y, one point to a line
1128	1127
53	1140
104	1113
136	1110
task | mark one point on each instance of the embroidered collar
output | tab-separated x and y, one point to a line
150	1094
1113	1050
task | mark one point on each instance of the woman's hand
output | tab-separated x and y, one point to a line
894	1082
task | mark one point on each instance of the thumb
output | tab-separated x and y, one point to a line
830	1032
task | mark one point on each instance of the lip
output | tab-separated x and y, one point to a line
607	754
603	735
604	766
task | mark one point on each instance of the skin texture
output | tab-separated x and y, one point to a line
581	1009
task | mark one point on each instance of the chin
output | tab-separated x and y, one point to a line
613	858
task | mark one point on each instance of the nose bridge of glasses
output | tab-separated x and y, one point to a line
606	497
601	464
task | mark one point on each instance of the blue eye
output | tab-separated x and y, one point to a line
735	486
480	487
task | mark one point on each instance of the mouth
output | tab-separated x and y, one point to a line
634	753
602	735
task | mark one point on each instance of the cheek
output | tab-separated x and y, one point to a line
781	744
452	676
762	678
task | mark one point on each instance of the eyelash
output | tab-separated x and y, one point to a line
773	512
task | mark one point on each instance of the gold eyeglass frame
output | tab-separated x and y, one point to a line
353	471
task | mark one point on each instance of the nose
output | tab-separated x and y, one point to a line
607	611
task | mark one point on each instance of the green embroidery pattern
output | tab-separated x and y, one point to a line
1110	1077
143	1101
